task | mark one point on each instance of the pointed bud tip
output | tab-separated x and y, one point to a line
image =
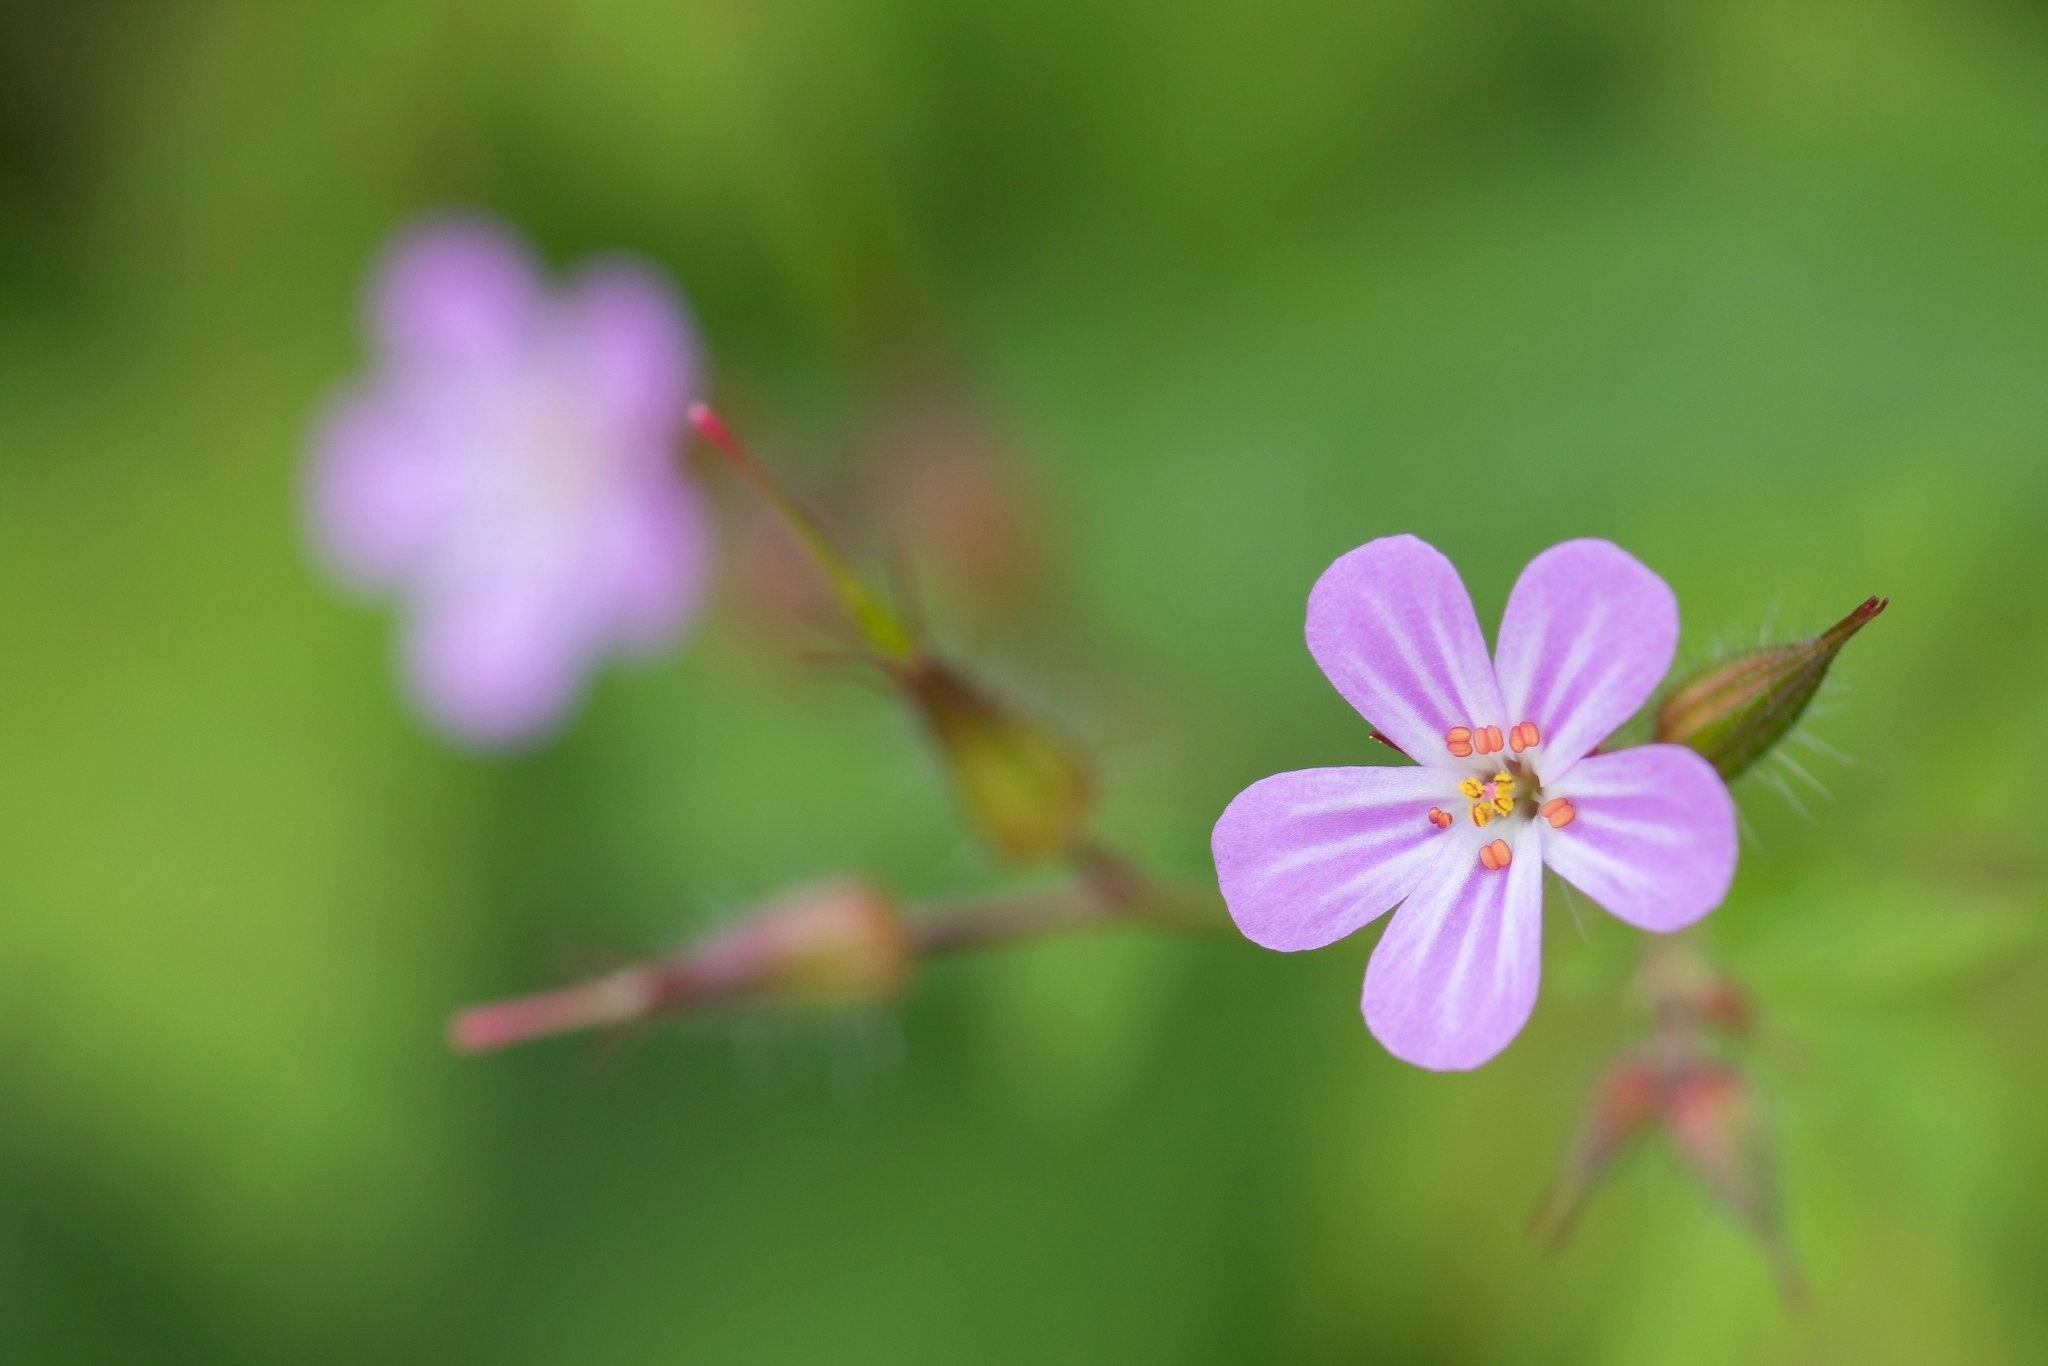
479	1029
1870	610
608	1000
710	426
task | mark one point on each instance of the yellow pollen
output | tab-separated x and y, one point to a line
1490	797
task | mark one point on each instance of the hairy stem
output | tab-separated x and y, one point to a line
1107	889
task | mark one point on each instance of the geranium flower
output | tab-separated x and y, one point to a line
1506	781
508	470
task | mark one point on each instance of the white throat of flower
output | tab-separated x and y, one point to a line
562	464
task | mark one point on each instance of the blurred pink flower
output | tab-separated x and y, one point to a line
1506	782
509	472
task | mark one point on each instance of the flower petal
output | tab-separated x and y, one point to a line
497	664
380	487
1454	978
1305	858
1588	634
634	348
1653	837
455	291
1393	628
653	558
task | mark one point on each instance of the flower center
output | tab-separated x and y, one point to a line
1488	799
563	465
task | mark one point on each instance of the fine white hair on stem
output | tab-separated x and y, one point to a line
1822	747
1776	781
1763	630
1799	772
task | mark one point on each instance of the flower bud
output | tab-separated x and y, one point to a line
834	944
837	943
1735	710
1714	1121
1023	788
1680	988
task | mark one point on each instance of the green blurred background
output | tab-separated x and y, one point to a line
1758	289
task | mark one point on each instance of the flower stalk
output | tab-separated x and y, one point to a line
1024	789
882	630
834	945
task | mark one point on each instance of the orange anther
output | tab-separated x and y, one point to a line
1535	736
1459	739
1559	812
1486	858
1488	740
1496	855
1439	819
1522	736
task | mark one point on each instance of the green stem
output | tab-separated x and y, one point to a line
884	633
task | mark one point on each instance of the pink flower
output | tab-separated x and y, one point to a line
1506	783
509	472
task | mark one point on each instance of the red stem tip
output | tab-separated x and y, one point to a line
711	427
